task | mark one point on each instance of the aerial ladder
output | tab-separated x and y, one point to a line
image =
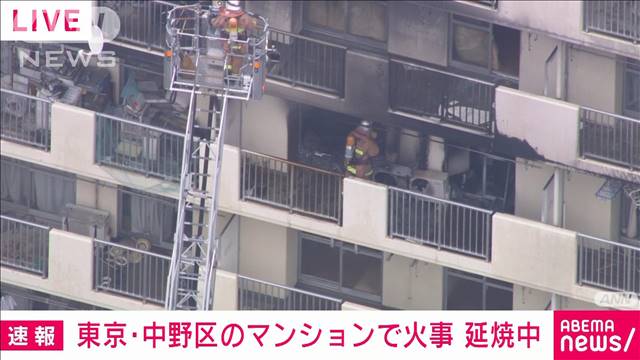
212	66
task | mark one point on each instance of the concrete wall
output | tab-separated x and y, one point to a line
580	194
525	298
267	252
534	50
411	284
225	296
418	32
593	81
549	126
267	116
278	13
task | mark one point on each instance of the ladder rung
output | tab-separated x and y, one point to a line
195	224
198	207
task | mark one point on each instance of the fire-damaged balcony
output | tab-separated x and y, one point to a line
441	96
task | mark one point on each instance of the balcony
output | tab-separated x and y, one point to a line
608	265
24	245
619	18
261	295
610	138
294	187
443	224
447	97
130	271
309	63
138	147
142	22
26	119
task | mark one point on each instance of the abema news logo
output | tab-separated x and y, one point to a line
597	335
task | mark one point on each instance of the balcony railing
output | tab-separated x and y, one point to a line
24	245
609	137
26	119
440	223
615	18
129	271
291	186
308	63
423	91
261	295
142	22
142	148
608	265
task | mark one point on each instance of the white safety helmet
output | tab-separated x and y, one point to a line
233	5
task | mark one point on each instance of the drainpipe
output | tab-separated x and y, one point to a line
558	197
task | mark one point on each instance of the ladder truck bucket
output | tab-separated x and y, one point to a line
205	58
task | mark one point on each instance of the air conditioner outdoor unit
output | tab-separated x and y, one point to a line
431	182
87	221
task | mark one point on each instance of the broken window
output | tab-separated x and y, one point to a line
358	18
485	46
345	269
467	291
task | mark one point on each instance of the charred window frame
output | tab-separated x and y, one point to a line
337	266
490	49
348	22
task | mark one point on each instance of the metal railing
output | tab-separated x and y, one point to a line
440	223
424	91
308	62
261	295
142	22
129	271
26	119
608	265
609	137
138	147
24	245
296	187
615	18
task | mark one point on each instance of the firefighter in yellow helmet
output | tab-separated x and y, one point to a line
359	150
234	24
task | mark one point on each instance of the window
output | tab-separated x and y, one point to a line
466	291
340	267
147	216
631	89
359	18
36	187
477	45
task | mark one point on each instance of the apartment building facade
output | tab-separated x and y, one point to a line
509	174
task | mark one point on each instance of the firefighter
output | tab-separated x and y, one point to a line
234	23
359	150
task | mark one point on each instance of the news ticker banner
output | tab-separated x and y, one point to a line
598	335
